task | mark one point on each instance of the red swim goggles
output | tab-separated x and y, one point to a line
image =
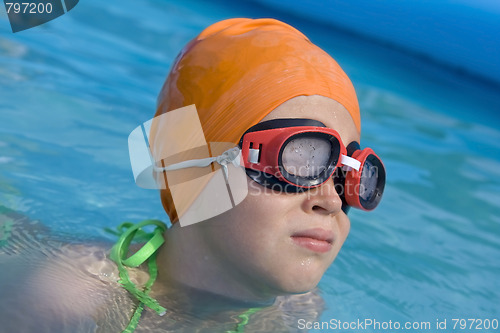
295	155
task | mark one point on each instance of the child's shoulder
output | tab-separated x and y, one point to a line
60	284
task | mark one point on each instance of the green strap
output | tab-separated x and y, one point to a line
127	232
146	251
245	317
119	254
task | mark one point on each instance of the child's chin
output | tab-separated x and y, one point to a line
300	286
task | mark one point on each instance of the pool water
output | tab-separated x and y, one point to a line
73	90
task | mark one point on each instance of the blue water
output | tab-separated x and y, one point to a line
73	89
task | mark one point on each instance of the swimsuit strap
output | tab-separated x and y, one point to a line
119	254
245	317
128	231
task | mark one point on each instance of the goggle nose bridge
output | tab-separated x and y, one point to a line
349	163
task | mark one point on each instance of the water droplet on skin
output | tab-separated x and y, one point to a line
305	262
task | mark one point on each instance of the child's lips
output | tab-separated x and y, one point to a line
317	239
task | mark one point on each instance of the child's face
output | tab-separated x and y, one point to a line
259	240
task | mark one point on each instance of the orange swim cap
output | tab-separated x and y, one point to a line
238	70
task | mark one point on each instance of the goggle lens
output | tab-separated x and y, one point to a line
369	180
364	189
306	157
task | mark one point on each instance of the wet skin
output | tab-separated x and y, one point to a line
272	243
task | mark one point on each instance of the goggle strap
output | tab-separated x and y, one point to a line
349	163
202	162
253	155
232	155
